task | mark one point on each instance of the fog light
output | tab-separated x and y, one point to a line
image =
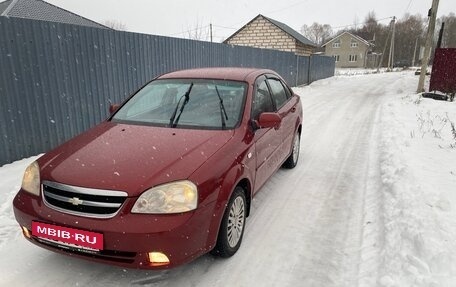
26	232
158	259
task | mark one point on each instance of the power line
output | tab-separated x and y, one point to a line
339	27
408	6
201	28
231	28
190	30
235	24
287	7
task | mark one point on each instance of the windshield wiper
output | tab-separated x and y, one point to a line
186	96
222	109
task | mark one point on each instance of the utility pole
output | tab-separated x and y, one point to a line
210	26
427	48
414	53
439	42
391	52
383	53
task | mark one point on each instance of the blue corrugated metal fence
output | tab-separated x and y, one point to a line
57	80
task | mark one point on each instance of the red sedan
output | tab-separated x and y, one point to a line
170	175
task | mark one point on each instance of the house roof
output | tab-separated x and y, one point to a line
3	6
354	36
41	10
284	27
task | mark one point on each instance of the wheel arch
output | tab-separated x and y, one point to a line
245	184
242	181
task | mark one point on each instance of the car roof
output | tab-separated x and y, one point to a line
231	73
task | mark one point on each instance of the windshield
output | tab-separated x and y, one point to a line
192	103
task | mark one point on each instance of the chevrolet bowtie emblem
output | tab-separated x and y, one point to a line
75	201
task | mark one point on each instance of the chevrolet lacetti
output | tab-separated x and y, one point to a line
170	175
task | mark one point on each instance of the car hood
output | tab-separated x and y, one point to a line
130	158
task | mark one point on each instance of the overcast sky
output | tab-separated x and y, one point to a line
175	17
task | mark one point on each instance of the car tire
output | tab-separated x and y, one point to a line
292	160
232	226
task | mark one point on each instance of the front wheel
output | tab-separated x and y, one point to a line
292	160
232	227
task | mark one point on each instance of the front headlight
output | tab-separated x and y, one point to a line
31	179
175	197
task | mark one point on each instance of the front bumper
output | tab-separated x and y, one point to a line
128	238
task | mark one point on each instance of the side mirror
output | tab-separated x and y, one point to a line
113	108
269	120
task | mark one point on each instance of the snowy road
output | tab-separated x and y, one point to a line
315	225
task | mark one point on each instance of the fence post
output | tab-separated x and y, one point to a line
309	78
297	70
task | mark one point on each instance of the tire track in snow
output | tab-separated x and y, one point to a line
335	235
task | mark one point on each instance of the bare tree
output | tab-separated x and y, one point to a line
449	33
370	22
356	22
370	30
318	33
408	30
115	24
198	31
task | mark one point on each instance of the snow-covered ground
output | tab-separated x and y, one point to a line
360	71
372	202
418	164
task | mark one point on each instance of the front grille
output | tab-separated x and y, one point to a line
82	201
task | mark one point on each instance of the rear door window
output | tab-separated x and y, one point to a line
278	92
262	101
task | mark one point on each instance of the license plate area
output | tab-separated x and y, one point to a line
68	238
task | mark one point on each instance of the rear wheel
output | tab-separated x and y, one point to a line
292	160
232	227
